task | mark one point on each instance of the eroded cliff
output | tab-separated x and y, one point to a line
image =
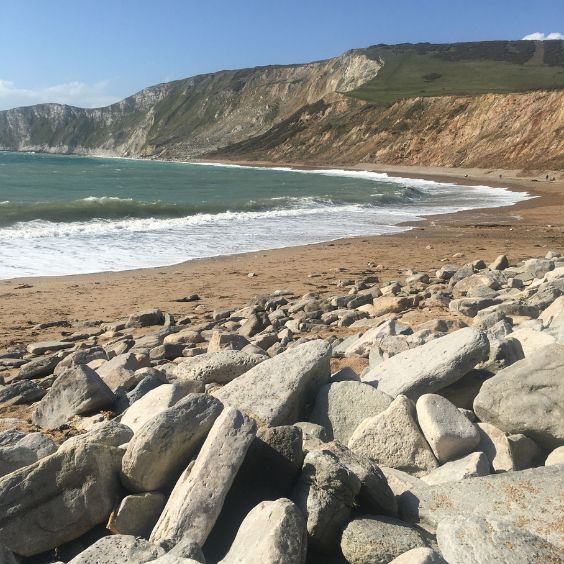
185	117
493	130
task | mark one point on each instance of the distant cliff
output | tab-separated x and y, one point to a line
485	104
186	117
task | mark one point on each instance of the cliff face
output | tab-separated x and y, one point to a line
407	104
493	130
186	117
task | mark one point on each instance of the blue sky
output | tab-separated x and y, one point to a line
94	53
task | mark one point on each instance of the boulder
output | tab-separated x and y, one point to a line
340	407
219	367
472	465
394	439
151	404
149	382
277	391
325	493
529	500
390	304
465	539
163	446
119	372
43	347
19	449
490	279
432	366
80	356
18	392
274	531
362	345
38	367
525	452
270	469
185	551
555	457
59	498
449	433
146	318
377	540
375	495
125	549
528	397
137	514
500	263
197	498
109	433
496	446
548	315
469	307
77	391
401	482
532	340
226	341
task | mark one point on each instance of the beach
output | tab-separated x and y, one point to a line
529	228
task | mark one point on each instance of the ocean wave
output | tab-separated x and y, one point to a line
116	209
102	227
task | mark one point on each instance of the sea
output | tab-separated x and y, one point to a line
71	215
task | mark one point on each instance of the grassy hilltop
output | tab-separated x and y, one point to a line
489	67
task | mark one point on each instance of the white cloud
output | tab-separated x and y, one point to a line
538	36
74	93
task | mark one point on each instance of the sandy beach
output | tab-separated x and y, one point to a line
529	228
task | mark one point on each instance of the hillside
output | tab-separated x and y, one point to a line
462	69
523	130
476	104
187	117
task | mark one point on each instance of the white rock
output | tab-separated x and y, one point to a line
555	457
496	446
76	391
464	539
151	404
277	391
163	446
472	465
197	498
340	407
125	549
394	439
137	514
532	340
274	531
219	367
527	397
430	367
449	433
325	493
530	500
377	540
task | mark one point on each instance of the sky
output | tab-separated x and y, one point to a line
94	53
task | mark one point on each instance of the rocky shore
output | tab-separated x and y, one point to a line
318	428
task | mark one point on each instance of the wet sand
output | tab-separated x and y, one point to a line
527	229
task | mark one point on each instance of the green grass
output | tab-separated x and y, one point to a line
413	71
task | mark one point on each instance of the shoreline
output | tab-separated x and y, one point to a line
519	230
429	174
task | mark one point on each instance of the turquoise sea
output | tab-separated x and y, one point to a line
70	214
